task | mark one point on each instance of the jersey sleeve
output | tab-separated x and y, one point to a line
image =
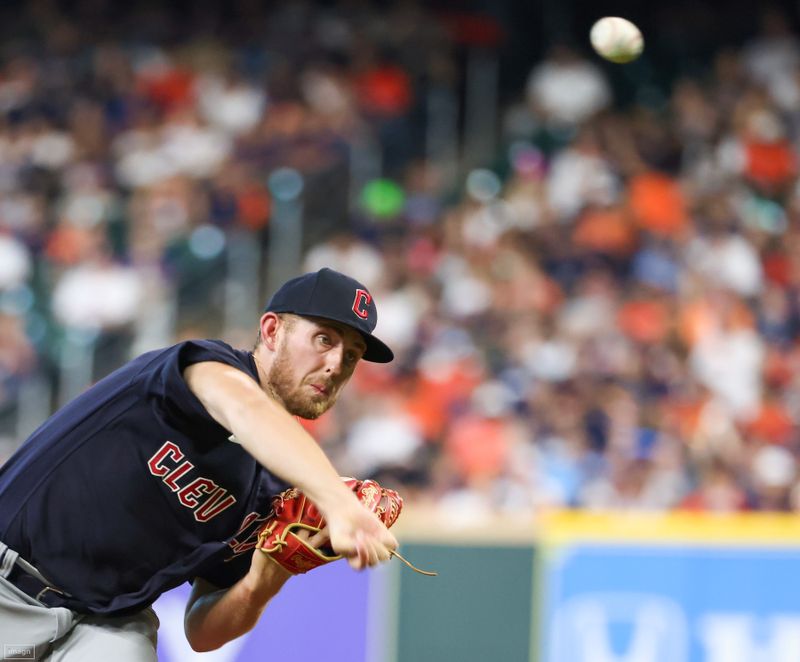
163	382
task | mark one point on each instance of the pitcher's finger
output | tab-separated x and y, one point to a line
392	543
319	538
362	550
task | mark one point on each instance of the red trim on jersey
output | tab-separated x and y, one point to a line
176	473
249	531
214	505
188	495
167	448
216	500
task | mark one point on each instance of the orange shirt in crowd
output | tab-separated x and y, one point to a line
478	447
658	204
770	164
605	231
254	206
772	424
644	320
432	401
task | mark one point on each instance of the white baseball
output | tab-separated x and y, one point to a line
616	39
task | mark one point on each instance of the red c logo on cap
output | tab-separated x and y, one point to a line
360	303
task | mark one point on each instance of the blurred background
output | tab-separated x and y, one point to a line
589	272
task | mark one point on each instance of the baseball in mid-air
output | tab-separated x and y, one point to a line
616	39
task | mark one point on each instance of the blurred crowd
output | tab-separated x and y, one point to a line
136	144
604	314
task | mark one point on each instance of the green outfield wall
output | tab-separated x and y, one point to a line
576	587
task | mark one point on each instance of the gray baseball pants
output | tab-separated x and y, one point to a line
31	631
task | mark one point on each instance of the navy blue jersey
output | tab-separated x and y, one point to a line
132	488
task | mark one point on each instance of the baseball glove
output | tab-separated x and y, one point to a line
293	511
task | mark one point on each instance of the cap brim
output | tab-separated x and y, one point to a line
377	350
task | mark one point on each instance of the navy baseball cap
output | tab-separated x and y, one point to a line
334	296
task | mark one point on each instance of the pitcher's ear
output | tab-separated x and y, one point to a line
269	325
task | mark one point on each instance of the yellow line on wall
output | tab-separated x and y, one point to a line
761	529
423	525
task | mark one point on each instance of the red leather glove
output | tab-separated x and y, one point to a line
293	511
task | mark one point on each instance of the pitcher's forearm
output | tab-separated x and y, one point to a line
291	453
219	616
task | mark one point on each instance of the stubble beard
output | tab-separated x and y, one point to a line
294	399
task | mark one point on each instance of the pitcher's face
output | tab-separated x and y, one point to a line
315	358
